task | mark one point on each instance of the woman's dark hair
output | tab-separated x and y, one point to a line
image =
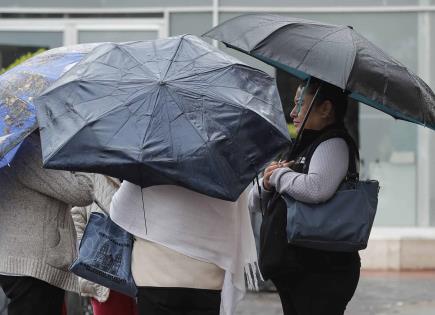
329	92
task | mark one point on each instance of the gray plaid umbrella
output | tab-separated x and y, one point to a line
336	54
170	111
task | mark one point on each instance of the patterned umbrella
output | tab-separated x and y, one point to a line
20	85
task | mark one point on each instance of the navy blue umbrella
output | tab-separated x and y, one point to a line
171	111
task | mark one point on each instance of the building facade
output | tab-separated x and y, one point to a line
399	154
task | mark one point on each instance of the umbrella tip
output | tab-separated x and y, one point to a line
350	26
162	83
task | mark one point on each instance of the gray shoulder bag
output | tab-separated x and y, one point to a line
343	223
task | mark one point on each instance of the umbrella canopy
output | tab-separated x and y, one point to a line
336	54
20	85
170	111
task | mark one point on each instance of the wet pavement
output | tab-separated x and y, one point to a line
378	293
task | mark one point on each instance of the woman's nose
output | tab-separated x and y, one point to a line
294	112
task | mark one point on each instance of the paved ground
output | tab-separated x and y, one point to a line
378	293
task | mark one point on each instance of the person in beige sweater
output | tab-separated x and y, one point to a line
104	301
37	235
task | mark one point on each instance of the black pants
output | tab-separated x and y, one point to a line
317	282
31	296
316	293
178	301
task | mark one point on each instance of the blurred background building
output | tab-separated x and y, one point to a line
399	154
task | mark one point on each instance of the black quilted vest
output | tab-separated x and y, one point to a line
277	257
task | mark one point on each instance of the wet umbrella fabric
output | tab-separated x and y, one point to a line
20	85
171	111
336	54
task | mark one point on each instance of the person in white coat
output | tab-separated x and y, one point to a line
190	252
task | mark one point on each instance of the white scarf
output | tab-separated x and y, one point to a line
195	225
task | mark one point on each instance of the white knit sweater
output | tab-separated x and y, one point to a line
37	236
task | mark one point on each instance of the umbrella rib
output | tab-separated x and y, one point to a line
266	23
211	157
380	51
201	73
193	60
105	64
60	147
138	81
173	57
400	116
122	126
76	112
205	141
419	92
317	42
70	108
220	99
133	113
106	112
119	129
201	94
223	72
354	54
234	104
170	128
182	110
152	115
138	61
18	140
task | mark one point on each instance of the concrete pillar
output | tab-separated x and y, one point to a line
426	137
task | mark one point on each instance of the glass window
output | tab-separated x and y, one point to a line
14	44
388	151
190	23
313	3
115	36
104	3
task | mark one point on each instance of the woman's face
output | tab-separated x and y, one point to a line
319	117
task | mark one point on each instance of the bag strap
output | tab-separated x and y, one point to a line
100	205
353	168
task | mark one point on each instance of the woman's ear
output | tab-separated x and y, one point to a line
326	109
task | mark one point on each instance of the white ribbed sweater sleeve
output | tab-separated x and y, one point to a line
328	167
